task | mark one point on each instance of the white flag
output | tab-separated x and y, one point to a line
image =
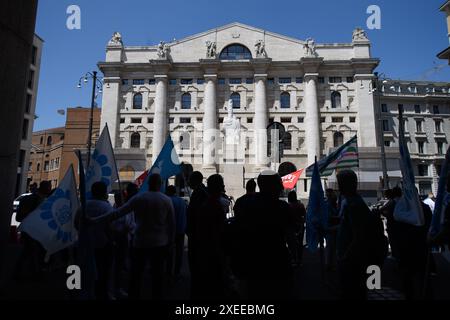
103	164
52	223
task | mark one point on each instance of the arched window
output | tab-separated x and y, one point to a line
235	52
335	100
285	100
236	97
42	140
185	141
38	167
49	140
338	139
186	101
287	141
137	101
135	140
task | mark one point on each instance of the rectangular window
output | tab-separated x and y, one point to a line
270	81
321	79
440	148
285	120
186	81
419	126
335	80
138	82
124	82
337	119
221	81
25	129
271	120
28	103
299	80
235	81
200	81
249	81
46	165
171	120
151	82
417	108
422	170
435	109
284	80
149	120
300	119
33	55
384	107
199	120
352	119
31	79
185	120
386	125
122	120
420	147
136	120
438	126
322	119
249	120
172	82
350	79
387	143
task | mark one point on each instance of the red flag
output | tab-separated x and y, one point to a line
140	180
290	180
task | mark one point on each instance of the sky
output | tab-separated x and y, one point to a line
412	33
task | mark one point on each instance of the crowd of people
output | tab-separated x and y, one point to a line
253	254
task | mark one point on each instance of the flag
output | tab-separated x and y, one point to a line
442	198
346	156
317	213
409	207
290	180
102	166
140	180
167	164
52	223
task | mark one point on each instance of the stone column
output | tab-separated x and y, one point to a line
210	135
260	122
111	108
312	118
160	119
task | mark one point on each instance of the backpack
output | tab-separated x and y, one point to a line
377	242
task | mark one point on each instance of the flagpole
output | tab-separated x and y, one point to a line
115	162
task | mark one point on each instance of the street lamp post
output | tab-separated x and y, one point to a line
378	90
96	84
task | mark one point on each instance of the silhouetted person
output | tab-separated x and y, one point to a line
31	261
263	225
351	240
387	210
333	226
198	197
180	207
443	237
298	213
209	234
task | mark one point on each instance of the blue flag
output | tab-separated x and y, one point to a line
102	166
442	198
409	208
317	213
52	223
167	164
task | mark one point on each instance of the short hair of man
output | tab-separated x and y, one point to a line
195	179
99	190
292	196
250	186
171	190
215	184
347	181
269	182
154	182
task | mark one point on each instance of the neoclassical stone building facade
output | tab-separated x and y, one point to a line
317	95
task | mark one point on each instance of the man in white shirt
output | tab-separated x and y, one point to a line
154	233
429	201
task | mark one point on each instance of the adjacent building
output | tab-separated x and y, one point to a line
445	54
52	150
29	116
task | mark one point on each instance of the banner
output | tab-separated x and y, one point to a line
290	180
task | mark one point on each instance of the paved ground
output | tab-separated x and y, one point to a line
310	282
